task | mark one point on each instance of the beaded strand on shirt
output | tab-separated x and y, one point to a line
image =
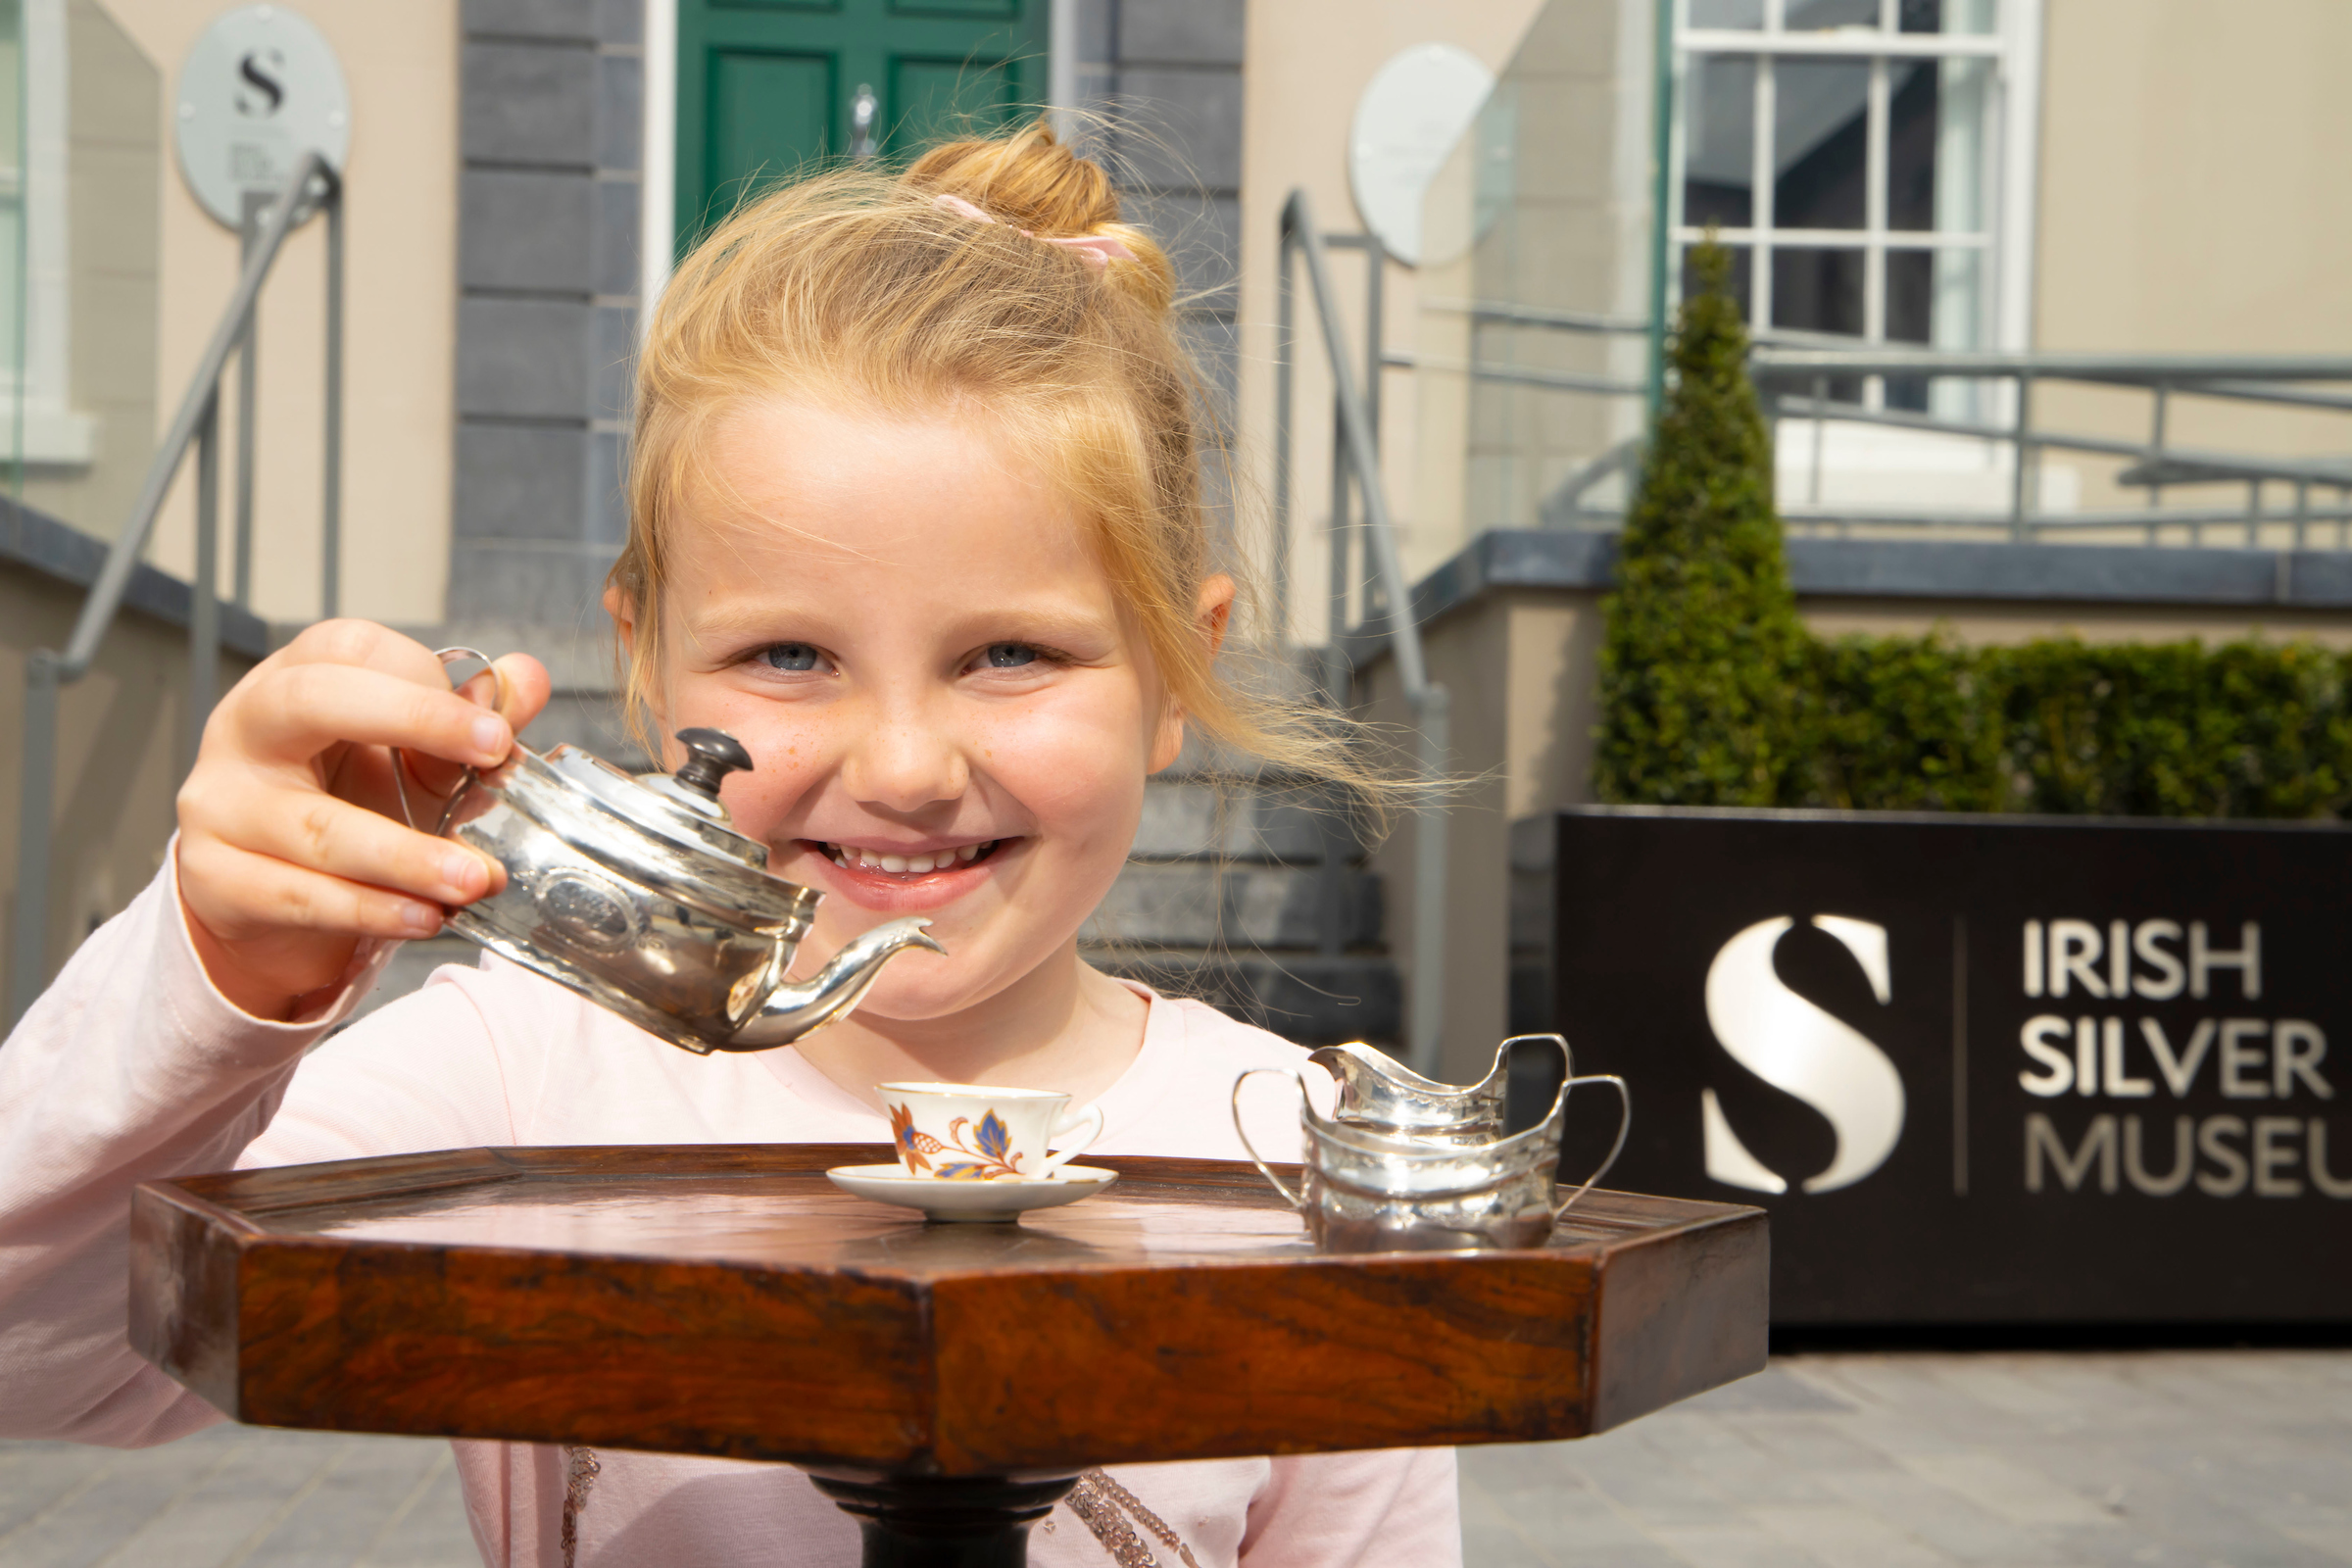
580	1470
1098	1501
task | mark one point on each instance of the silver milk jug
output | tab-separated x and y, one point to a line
638	894
1405	1164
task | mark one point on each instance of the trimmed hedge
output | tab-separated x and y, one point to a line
1713	692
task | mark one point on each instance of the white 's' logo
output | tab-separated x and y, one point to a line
1793	1046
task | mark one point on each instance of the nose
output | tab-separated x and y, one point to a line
905	757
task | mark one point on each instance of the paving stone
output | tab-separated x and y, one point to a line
1733	1546
1849	1537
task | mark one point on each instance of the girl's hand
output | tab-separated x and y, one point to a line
291	843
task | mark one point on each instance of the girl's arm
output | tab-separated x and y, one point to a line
1395	1508
134	1067
169	1042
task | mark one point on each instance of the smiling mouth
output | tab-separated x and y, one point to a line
848	856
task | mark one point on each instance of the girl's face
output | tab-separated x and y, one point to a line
950	713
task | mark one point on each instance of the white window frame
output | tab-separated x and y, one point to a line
35	394
2015	47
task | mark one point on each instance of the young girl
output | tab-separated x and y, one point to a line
914	516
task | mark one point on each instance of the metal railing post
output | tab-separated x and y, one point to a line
1425	1018
1376	274
2156	424
1821	424
204	602
248	402
195	422
2021	482
1284	359
29	944
330	500
1425	1022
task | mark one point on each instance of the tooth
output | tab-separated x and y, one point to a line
967	851
893	863
919	863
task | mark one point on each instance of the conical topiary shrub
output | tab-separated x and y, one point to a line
1703	653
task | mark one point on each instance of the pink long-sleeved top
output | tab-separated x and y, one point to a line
132	1066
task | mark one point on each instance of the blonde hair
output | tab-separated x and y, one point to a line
856	283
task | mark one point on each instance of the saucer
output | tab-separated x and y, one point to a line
995	1200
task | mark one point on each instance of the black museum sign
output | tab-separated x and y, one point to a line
1981	1069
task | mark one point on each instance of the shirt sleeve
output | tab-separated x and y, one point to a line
134	1067
1390	1509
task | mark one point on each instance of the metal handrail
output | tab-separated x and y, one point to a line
314	186
1787	365
1356	453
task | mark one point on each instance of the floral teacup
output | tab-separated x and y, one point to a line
976	1133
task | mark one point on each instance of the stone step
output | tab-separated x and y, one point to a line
1305	997
1186	818
1201	904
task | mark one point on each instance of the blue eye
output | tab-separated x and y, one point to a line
798	658
1009	656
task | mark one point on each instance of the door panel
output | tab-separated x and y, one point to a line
1002	10
765	86
941	98
764	108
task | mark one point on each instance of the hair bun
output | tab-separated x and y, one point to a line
1031	182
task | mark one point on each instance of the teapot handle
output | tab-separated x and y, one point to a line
1625	1124
1295	1200
400	763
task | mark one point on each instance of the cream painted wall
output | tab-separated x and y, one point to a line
1309	60
2190	156
400	294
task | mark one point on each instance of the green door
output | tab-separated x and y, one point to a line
766	87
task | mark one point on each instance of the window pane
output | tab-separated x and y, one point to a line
1973	17
1818	15
1820	126
1817	290
1741	289
1910	288
1746	15
1911	111
1719	136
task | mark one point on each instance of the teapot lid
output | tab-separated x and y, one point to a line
680	806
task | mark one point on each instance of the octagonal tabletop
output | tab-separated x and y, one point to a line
729	1301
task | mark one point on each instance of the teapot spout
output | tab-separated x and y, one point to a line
793	1011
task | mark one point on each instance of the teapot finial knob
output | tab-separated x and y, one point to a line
711	756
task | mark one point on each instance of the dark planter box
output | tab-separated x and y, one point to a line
1913	1039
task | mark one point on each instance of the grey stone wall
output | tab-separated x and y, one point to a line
553	95
547	259
1168	73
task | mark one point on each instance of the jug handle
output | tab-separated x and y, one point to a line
1625	1124
400	763
1295	1200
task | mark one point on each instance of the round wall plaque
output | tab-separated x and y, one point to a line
260	87
1412	114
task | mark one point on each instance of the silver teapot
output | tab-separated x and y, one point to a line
1404	1164
636	893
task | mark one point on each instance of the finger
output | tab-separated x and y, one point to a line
367	645
239	895
301	710
318	832
527	687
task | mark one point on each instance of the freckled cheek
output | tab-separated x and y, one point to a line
1077	774
790	756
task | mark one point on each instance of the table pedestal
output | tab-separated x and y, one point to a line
935	1522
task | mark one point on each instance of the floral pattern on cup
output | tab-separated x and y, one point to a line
977	1133
990	1158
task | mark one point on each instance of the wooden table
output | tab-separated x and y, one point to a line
944	1382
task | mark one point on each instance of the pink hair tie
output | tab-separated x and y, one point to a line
1096	251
